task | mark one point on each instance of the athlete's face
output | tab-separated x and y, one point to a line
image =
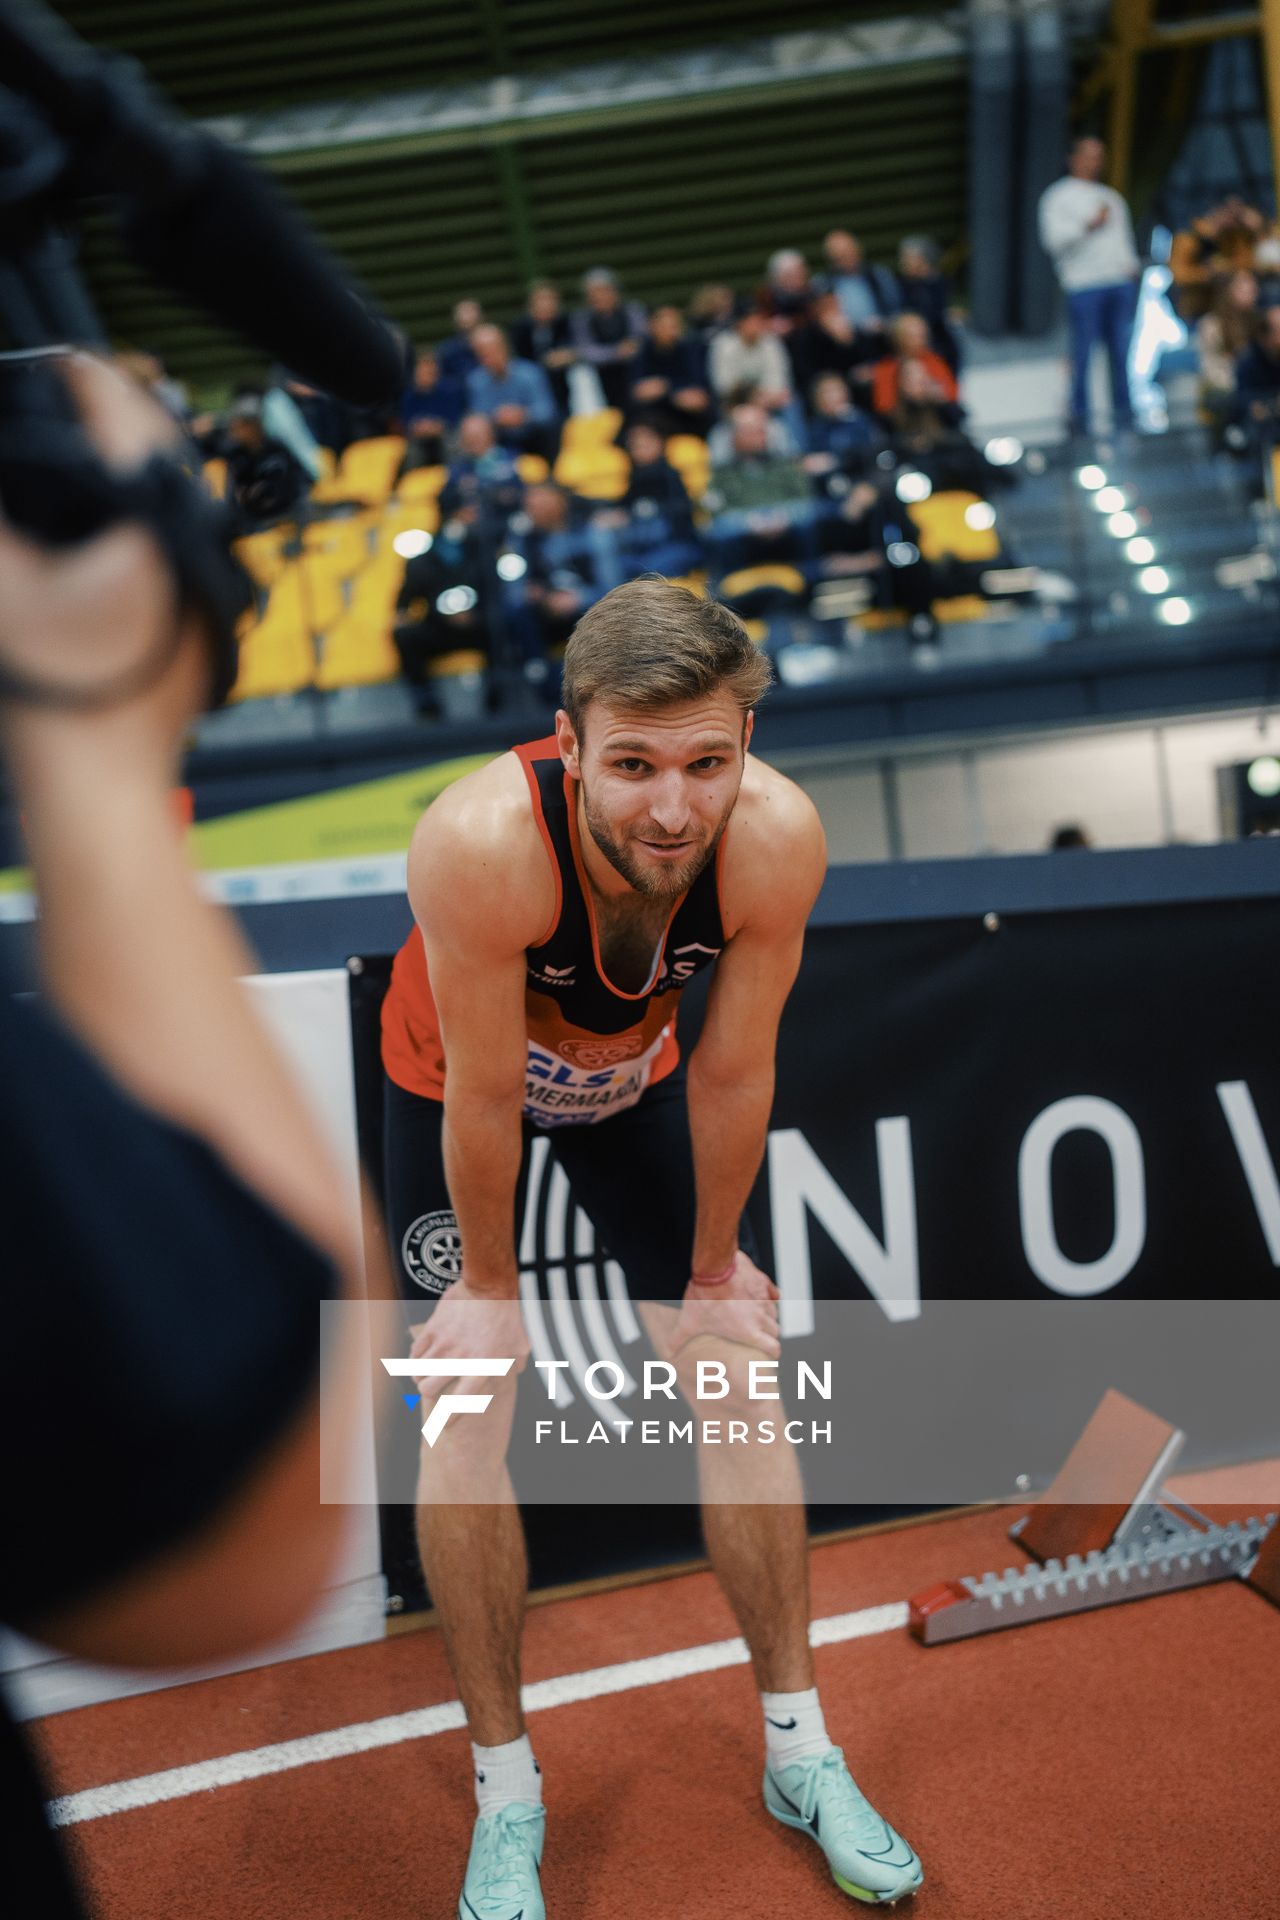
658	787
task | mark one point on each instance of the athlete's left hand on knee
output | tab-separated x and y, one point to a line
742	1308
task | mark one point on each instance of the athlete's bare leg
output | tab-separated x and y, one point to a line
753	1519
472	1545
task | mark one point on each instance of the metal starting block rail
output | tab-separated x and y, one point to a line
1095	1555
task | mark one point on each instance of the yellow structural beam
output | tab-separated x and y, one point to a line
1271	67
1131	28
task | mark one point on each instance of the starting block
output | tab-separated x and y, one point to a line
1089	1554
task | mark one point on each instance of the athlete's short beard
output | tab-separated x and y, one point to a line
657	879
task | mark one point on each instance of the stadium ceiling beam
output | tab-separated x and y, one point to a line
672	86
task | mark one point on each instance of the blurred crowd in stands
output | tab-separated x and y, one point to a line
754	440
1226	287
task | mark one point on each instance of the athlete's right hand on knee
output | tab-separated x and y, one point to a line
465	1326
742	1308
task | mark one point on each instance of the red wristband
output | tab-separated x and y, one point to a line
716	1279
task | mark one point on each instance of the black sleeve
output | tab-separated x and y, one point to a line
161	1325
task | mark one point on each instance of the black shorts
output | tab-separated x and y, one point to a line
621	1189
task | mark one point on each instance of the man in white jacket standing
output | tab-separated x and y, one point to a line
1086	230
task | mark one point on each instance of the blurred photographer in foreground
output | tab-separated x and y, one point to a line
174	1218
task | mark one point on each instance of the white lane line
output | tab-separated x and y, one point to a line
175	1783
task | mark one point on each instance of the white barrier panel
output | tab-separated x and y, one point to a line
307	1013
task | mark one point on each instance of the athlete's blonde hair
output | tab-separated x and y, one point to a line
652	643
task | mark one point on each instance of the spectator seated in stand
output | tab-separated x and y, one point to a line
841	438
456	355
542	334
515	394
1221	241
909	335
482	473
653	523
669	386
430	411
267	480
607	334
788	290
1257	407
1222	335
868	295
828	342
750	362
443	604
927	432
923	290
711	309
854	538
764	504
571	560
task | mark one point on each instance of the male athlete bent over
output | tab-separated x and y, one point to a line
563	895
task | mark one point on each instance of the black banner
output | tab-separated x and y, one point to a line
1079	1104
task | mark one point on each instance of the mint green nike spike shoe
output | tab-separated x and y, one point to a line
867	1858
502	1873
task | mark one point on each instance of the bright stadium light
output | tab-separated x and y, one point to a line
1175	612
1091	478
1122	525
1153	580
1264	776
1109	500
981	516
913	486
412	542
902	553
1141	552
512	566
1004	451
457	600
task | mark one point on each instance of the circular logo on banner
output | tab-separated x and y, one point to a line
605	1052
432	1251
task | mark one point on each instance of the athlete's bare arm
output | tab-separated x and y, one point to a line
482	890
774	865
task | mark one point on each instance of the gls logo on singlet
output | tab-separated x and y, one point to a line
679	969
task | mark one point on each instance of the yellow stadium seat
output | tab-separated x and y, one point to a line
691	460
366	472
965	606
943	528
424	483
748	579
277	655
215	478
261	555
695	582
328	463
357	654
583	430
532	468
465	660
597	473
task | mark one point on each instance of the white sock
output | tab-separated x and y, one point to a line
793	1727
505	1774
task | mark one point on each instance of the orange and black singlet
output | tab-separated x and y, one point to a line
593	1049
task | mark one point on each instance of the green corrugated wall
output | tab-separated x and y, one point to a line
669	201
